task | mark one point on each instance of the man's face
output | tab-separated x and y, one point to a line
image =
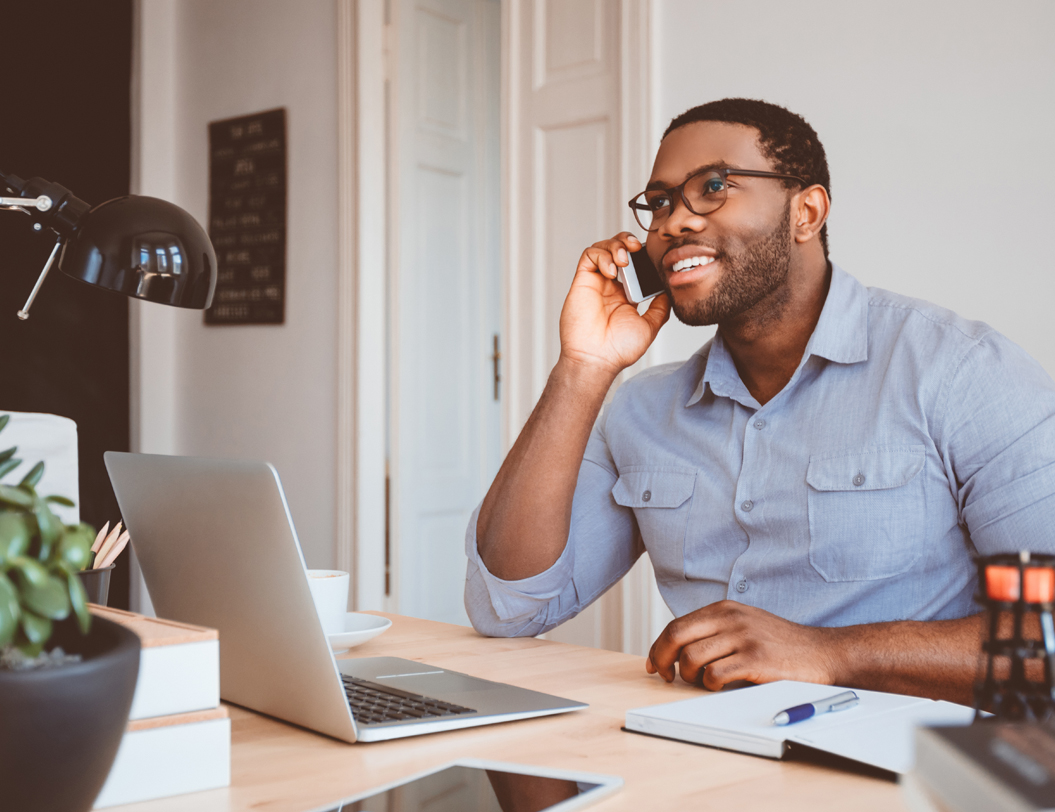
733	260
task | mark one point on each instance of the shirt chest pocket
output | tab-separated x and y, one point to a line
866	513
661	499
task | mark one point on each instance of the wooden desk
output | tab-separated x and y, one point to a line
281	768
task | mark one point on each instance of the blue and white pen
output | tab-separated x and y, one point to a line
843	701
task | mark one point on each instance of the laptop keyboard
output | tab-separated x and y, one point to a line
374	704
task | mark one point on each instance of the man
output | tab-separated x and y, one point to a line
812	484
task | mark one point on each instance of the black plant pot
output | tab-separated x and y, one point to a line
60	727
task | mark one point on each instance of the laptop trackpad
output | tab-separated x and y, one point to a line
415	677
439	685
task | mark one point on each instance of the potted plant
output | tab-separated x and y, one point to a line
66	677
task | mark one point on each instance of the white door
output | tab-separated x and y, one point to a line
445	298
579	146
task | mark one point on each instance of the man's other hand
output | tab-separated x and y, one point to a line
599	328
728	642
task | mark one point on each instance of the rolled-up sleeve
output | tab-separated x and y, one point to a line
999	439
603	544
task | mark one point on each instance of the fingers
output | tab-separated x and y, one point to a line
730	669
656	664
700	659
607	256
620	244
680	632
698	668
658	313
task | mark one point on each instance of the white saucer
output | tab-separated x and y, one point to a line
358	628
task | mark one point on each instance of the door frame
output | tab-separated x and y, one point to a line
365	45
361	475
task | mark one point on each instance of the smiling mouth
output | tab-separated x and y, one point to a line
691	262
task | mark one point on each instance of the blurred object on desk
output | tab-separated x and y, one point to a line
1015	588
96	583
1008	766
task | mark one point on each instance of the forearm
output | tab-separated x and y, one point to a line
937	659
524	520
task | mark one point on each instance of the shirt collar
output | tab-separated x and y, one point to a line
841	336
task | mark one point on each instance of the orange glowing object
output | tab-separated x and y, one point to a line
1002	584
1039	585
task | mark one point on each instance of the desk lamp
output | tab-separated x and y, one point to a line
139	246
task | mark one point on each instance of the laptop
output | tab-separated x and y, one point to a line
217	547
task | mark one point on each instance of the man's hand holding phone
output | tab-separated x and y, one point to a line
601	334
599	327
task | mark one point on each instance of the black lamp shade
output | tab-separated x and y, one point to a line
145	248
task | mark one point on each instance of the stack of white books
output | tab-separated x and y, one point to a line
178	738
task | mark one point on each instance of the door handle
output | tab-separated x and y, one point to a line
496	358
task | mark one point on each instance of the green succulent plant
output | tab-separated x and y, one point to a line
39	560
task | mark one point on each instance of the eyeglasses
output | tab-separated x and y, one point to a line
702	192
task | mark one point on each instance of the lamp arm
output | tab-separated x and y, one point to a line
24	312
50	205
42	203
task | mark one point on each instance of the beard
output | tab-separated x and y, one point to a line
750	276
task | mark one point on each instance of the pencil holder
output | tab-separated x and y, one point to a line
1013	588
97	584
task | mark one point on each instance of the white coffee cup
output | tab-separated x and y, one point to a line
329	590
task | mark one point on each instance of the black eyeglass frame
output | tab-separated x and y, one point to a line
725	172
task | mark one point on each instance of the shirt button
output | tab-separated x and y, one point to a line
859	480
741	587
746	505
760	424
647	495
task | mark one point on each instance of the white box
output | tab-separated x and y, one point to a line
172	755
179	665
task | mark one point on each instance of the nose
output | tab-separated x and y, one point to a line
681	221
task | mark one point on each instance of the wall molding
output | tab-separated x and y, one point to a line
346	284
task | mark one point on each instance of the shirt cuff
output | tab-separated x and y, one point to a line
524	597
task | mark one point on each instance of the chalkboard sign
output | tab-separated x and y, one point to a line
247	218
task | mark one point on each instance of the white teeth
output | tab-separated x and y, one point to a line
691	262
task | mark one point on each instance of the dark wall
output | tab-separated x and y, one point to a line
65	113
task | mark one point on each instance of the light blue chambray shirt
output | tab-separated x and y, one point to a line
907	439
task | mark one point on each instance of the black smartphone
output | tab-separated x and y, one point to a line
640	279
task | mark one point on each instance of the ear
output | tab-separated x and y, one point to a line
809	211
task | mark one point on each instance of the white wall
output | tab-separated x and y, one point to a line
263	392
937	119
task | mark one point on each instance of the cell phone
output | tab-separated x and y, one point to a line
640	279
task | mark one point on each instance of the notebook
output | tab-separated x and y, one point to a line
878	732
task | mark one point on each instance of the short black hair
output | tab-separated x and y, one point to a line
784	137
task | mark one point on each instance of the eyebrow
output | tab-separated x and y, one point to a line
659	185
